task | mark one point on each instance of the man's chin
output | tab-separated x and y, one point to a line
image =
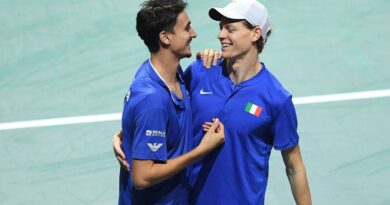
187	55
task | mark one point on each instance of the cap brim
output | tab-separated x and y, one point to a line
217	13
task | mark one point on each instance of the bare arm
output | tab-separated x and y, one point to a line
296	173
146	173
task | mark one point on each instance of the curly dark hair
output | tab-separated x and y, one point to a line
156	16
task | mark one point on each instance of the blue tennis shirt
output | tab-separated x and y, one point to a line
258	115
157	126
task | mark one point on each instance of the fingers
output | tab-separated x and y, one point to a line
221	128
118	150
116	144
120	156
212	139
216	57
206	126
123	163
205	56
214	126
120	134
209	57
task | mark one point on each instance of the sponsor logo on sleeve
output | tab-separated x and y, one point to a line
155	133
154	146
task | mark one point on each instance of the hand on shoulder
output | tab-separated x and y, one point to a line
209	57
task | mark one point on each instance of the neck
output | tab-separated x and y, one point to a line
244	68
166	66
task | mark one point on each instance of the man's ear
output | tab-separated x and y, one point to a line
256	34
164	38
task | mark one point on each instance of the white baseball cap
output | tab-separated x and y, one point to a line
251	10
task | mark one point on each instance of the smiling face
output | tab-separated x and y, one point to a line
236	38
181	36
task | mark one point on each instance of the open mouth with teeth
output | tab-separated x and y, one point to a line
225	45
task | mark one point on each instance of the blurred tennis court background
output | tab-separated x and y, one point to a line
75	58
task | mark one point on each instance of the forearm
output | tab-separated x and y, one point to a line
147	173
152	173
299	185
296	173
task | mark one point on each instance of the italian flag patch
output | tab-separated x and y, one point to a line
253	109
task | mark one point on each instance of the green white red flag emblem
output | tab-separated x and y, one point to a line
253	109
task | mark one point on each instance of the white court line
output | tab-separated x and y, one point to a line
60	121
117	116
341	97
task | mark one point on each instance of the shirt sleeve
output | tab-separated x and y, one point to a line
285	126
149	140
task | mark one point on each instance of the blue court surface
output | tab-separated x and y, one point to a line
69	63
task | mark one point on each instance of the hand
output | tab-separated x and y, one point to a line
120	156
214	136
207	125
209	56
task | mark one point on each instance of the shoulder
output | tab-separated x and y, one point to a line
145	93
279	93
148	96
197	72
197	64
194	68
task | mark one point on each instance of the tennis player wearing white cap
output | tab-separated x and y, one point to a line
256	110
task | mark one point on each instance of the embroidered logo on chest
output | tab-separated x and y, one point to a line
202	92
